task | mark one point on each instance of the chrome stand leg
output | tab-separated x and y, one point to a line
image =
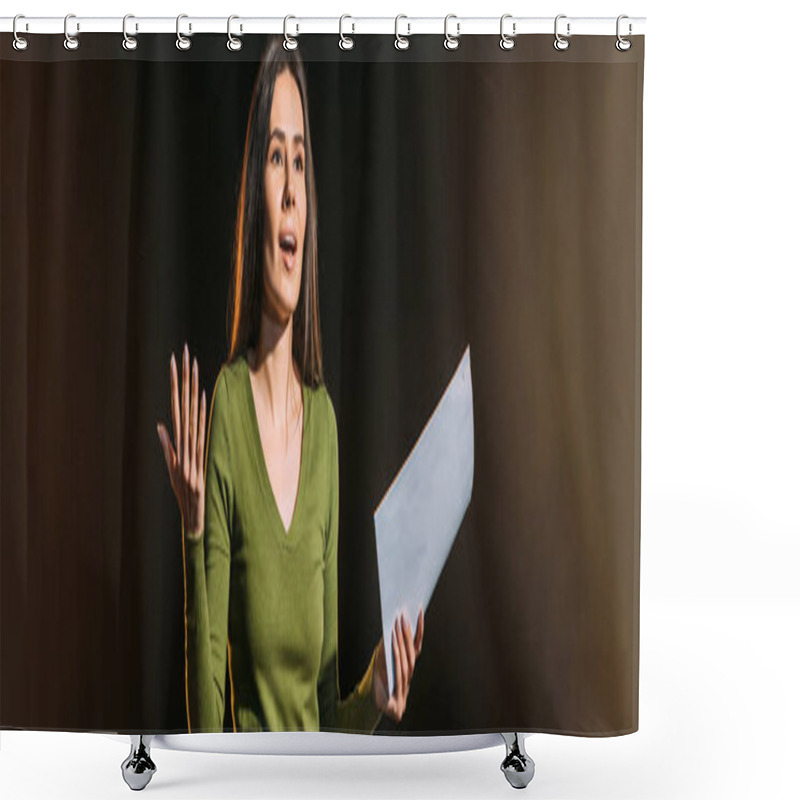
517	766
138	768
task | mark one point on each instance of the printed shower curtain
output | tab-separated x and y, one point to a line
477	201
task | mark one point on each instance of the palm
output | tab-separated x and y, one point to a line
405	651
185	459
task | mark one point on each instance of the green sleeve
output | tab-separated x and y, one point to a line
358	711
206	581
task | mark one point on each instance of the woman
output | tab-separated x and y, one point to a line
260	527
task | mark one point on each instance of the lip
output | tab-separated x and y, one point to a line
289	258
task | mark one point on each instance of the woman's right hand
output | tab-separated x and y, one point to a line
185	460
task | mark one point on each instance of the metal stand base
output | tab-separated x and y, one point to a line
517	766
138	768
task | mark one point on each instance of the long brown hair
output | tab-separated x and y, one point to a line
246	289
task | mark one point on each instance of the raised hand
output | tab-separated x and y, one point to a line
186	459
406	650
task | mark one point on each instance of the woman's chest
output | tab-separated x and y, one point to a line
277	579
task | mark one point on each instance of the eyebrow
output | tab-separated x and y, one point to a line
278	132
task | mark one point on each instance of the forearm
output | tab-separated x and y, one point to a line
204	705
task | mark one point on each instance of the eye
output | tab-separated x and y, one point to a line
299	163
276	152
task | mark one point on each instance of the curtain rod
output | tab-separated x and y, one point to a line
297	26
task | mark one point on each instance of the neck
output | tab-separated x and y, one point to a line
274	371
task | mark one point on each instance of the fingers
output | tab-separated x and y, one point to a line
201	445
177	428
176	411
405	649
185	413
411	655
398	669
193	470
169	453
186	460
402	683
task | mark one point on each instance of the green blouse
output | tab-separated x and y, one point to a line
262	597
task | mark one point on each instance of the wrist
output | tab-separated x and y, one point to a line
192	536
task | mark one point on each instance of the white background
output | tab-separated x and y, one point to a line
720	606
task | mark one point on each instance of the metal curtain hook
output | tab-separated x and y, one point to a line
401	42
451	42
560	42
19	42
346	42
70	42
129	42
182	42
623	44
233	43
289	42
506	41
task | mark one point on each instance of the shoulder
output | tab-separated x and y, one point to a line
321	408
321	405
228	386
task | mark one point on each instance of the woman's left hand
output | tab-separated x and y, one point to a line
406	652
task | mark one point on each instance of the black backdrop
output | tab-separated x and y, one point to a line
479	197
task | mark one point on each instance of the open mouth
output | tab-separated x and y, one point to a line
288	245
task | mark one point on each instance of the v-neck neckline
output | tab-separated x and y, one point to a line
286	537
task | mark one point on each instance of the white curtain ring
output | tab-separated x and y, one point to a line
182	42
70	42
451	42
346	42
234	43
623	44
560	42
128	42
19	43
289	42
507	42
401	42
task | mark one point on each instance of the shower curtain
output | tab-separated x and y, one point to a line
475	201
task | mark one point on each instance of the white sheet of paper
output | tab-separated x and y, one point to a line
417	520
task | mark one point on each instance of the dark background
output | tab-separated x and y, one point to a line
477	197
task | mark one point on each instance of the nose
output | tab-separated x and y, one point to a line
289	190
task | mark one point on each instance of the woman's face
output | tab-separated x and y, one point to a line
285	184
